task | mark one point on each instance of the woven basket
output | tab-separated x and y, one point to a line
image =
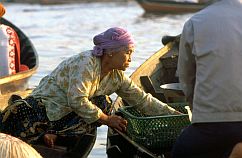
156	132
12	147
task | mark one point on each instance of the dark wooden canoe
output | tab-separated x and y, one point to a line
17	84
29	57
159	69
53	2
82	147
172	7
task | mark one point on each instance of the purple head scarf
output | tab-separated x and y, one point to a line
110	39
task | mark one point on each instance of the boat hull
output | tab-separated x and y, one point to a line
54	2
18	83
159	6
29	57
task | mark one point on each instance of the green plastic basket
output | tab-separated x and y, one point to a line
156	132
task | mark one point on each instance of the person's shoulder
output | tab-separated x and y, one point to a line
6	27
201	16
208	12
82	56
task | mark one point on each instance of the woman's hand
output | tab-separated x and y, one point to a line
114	121
117	122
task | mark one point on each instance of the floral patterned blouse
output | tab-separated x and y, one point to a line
77	79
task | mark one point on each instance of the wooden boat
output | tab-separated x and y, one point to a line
166	6
159	69
17	84
53	2
81	147
29	57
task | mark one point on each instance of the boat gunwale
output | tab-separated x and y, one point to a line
175	2
150	117
22	75
17	76
170	6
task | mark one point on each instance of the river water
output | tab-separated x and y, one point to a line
60	31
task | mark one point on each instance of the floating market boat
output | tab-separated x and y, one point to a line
166	6
53	2
29	57
17	84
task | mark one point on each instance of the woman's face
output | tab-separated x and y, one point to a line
122	58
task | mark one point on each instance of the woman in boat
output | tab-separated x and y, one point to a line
73	99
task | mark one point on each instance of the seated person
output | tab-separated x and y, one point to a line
73	99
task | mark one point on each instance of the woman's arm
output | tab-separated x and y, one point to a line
82	79
141	100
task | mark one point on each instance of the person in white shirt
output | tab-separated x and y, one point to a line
210	72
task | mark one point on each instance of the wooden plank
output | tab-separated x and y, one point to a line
149	88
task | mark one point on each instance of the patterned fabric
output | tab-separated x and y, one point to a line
112	38
76	80
27	119
104	103
10	51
